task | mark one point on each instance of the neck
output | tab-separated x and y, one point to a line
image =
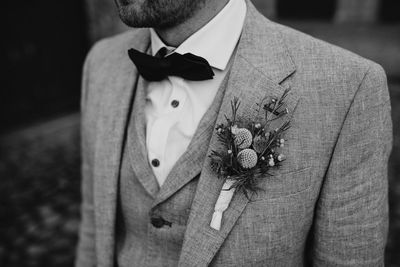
176	35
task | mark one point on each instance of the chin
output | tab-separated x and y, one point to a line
159	14
131	12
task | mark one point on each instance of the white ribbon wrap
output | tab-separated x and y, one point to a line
225	197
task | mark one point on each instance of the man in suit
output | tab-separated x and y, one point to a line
148	127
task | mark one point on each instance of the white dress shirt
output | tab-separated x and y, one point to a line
174	106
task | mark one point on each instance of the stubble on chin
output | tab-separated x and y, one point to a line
160	14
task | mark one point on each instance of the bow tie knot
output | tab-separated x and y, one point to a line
187	66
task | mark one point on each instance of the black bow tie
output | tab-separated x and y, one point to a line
187	66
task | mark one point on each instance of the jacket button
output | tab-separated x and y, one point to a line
159	222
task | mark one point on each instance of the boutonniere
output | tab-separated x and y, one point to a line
248	149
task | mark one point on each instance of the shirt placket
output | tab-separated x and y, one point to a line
161	161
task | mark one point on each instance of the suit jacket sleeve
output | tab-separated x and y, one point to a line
86	246
351	220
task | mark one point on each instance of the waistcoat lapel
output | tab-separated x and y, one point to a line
117	92
261	64
137	142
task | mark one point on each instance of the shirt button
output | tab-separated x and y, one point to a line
155	162
175	103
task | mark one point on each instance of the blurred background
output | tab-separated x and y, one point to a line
43	48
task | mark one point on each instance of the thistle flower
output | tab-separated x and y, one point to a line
243	138
247	158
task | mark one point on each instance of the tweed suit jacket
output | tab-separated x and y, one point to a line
326	205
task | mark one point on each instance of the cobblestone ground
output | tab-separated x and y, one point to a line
40	196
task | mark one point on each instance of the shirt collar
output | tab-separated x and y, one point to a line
216	40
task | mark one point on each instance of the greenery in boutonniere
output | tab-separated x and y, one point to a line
249	148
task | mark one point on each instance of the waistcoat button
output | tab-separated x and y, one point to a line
159	222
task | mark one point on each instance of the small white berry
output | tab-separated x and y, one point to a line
229	151
234	129
258	125
271	162
281	157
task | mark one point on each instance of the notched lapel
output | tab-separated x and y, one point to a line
201	241
258	71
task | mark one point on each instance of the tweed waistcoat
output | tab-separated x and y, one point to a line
140	241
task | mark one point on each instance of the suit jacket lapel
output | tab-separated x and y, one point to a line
115	103
260	66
